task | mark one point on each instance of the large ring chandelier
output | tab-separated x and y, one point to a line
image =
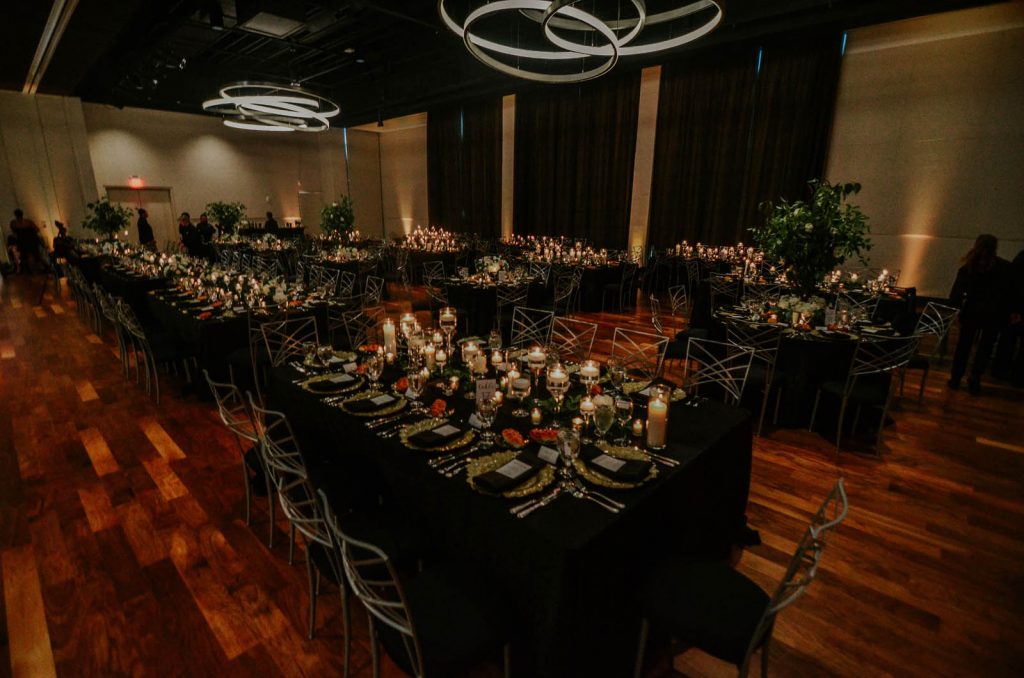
567	35
267	107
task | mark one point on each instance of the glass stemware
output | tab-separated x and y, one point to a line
604	415
448	320
557	382
568	450
486	411
519	390
309	353
623	415
616	373
374	368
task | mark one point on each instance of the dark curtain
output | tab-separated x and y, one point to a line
464	167
575	148
705	108
796	97
737	127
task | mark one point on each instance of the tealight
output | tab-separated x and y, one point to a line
536	417
638	427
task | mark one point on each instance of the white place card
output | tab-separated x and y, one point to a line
606	462
239	309
514	469
334	359
382	399
342	379
446	430
548	454
206	308
485	389
349	367
645	392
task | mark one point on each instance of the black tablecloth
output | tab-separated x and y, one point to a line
592	286
209	340
478	305
89	265
566	576
132	288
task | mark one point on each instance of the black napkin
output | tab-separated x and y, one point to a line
496	482
366	405
632	471
328	386
640	397
430	438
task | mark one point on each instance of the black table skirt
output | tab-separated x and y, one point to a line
565	577
478	306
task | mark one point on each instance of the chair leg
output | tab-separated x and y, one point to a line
881	422
312	592
814	410
924	378
839	428
245	480
764	406
507	659
778	399
291	544
765	653
374	650
346	620
641	647
271	497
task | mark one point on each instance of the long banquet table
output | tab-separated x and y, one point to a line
565	576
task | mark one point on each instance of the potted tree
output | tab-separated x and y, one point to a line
338	217
810	238
107	218
226	215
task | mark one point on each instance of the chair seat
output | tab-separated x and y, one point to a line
918	362
705	604
863	391
454	633
692	333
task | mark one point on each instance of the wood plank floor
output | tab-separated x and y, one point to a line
123	547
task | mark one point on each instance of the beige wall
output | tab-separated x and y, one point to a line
930	119
203	161
44	152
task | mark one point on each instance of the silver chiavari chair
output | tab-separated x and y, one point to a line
510	296
433	272
722	364
324	278
764	339
933	326
346	284
731	617
350	328
679	301
861	307
573	338
724	289
641	353
530	326
373	291
283	339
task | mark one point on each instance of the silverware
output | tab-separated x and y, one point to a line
539	504
384	421
455	460
604	497
662	459
581	492
532	500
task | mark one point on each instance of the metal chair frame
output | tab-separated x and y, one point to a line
283	339
765	340
373	291
530	326
573	337
935	321
730	372
866	307
722	285
641	353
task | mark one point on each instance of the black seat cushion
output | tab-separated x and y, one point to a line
705	604
454	633
693	332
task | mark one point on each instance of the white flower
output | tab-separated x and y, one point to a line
808	227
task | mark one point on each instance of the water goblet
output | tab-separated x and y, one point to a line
616	373
623	415
309	353
486	411
568	451
374	368
519	390
604	415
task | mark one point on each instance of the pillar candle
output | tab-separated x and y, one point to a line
390	344
657	423
429	353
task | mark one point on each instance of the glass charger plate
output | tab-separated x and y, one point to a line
491	462
427	424
632	387
322	385
390	408
598	478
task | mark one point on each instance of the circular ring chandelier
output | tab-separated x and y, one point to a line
576	34
266	107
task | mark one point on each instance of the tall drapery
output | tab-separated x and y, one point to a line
464	167
737	127
574	154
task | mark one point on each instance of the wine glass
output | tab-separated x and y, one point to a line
518	390
587	412
374	368
325	353
448	320
616	373
417	382
568	450
604	415
494	339
623	415
590	373
486	411
309	351
557	383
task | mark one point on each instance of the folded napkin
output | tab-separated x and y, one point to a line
330	385
435	436
510	476
369	404
621	470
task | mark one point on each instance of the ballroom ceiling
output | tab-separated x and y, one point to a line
376	59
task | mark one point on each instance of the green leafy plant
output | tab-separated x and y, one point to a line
338	217
810	238
107	218
226	215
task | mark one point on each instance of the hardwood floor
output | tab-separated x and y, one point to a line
123	545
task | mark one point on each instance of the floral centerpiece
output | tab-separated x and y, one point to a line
107	218
810	238
226	215
338	216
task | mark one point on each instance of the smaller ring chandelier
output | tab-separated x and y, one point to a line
272	108
576	34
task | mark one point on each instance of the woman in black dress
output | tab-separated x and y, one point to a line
982	292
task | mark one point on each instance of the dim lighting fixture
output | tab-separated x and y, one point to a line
267	107
565	36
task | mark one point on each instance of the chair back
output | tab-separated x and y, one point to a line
692	275
373	291
728	372
641	353
857	305
656	314
233	410
540	272
433	271
374	580
935	322
511	295
283	461
356	325
283	339
679	300
882	354
763	292
322	277
723	289
573	338
566	285
346	283
267	265
803	566
531	326
763	338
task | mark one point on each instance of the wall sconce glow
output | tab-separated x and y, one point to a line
266	107
601	32
135	181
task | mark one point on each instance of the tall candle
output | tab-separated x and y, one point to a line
390	344
429	353
497	359
657	423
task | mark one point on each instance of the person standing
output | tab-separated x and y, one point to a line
1009	361
189	235
982	292
271	225
26	235
146	238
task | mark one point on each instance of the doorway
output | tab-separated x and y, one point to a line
157	202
